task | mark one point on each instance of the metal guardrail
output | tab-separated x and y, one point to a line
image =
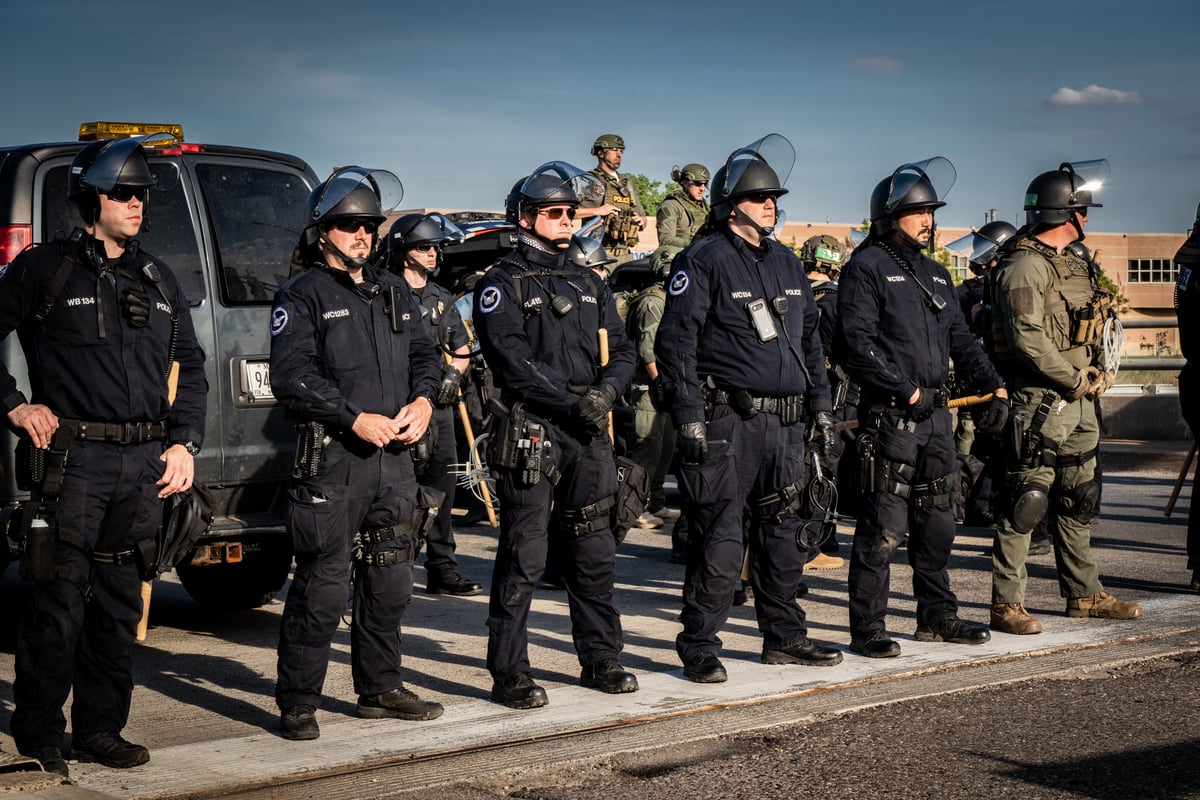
1136	362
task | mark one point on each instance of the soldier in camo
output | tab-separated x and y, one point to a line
624	219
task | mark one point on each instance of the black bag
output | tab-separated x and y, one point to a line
186	516
633	489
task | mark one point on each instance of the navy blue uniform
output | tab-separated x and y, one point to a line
1187	308
339	350
444	325
891	342
707	338
88	364
535	354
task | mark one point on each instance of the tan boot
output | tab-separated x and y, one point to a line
823	561
1013	618
1103	606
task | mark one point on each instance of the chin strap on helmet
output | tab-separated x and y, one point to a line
744	217
351	263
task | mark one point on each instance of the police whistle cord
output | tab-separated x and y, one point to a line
602	337
1187	465
485	494
958	402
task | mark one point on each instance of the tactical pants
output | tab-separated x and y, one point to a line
886	518
653	446
440	545
1189	400
747	460
353	491
586	562
109	500
1073	426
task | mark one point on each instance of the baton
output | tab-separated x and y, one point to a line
958	402
465	419
602	336
1187	465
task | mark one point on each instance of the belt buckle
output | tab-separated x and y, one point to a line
129	433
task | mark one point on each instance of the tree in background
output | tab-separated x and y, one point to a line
649	192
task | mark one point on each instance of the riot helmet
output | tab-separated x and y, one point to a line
103	165
822	253
983	245
418	230
350	193
1054	197
607	141
696	173
761	167
910	187
588	253
553	183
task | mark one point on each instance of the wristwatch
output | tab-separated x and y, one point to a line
192	448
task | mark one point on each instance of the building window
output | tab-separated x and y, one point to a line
1152	270
960	268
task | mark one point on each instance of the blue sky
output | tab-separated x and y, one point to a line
459	99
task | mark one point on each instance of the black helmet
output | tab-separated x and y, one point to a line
983	246
552	184
754	169
696	173
607	141
822	253
1053	197
103	165
351	193
588	253
412	230
922	184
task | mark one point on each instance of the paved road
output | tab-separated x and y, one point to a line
204	700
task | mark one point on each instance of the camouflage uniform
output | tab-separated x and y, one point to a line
620	228
678	218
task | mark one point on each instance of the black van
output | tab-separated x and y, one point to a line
227	228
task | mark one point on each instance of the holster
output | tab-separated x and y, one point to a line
38	534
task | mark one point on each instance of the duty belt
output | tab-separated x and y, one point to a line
116	432
768	405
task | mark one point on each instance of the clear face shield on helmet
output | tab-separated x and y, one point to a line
558	181
742	172
112	166
344	180
977	248
939	173
1087	178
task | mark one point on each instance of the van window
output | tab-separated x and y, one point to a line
168	234
256	215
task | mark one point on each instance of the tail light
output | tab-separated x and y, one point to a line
14	239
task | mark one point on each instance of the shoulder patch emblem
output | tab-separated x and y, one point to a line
489	299
279	319
679	283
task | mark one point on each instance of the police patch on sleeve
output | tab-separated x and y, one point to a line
679	283
489	299
279	319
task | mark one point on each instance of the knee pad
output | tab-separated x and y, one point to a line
1029	508
1081	502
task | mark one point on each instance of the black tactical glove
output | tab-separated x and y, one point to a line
658	395
995	416
693	442
135	306
595	404
448	391
823	422
927	403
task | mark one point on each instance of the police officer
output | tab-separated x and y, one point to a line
539	320
353	365
899	324
1049	315
621	207
1187	307
683	211
100	322
822	257
415	251
742	365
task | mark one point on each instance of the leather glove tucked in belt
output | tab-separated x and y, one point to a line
929	399
693	442
448	391
135	306
994	416
823	422
595	404
1083	379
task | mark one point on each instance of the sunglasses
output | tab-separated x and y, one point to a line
424	248
761	197
352	225
123	194
557	213
698	183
